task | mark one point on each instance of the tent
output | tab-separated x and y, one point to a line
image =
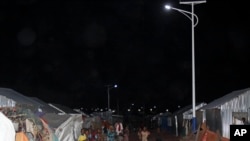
39	120
28	115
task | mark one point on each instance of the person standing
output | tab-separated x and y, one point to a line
139	133
7	130
111	134
144	134
83	136
126	134
158	135
119	128
99	135
244	121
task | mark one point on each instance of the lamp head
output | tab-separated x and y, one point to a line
168	7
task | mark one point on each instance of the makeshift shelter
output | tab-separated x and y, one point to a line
70	129
68	123
162	120
63	109
46	108
37	120
60	119
183	118
227	110
10	98
22	111
107	116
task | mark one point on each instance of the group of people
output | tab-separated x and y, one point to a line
91	135
114	132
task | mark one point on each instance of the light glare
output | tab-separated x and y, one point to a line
168	7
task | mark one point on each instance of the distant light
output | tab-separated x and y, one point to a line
115	86
168	7
128	110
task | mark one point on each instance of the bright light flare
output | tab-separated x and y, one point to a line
168	7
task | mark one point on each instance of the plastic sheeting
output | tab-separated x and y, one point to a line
49	134
70	129
5	102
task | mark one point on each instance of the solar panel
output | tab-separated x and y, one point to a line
192	1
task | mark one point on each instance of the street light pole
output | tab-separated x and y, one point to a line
193	70
192	16
108	91
108	88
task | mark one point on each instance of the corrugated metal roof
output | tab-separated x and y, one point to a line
187	108
218	102
182	110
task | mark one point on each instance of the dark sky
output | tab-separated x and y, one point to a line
65	52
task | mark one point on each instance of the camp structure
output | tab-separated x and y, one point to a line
163	121
24	114
68	123
37	120
182	119
227	110
65	122
63	109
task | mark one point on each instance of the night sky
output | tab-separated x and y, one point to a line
67	51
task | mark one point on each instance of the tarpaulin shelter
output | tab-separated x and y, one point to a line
22	111
49	122
68	123
63	109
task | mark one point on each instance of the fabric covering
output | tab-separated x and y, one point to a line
48	134
7	130
20	136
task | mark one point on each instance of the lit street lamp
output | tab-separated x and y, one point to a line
191	16
108	89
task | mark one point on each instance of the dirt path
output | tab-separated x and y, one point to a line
165	136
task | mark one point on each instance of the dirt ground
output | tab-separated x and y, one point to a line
165	136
